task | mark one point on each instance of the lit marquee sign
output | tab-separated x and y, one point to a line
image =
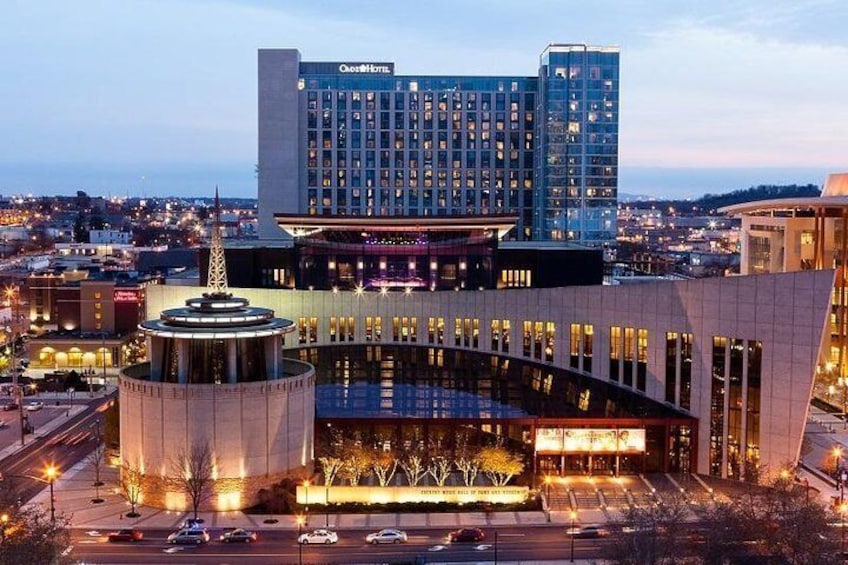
590	440
126	296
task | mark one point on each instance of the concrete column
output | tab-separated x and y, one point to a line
232	362
154	351
273	346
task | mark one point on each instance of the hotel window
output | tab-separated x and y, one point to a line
686	371
475	335
505	336
346	328
717	394
671	367
528	338
550	339
332	329
496	334
313	330
615	353
457	331
436	330
413	329
574	349
516	278
588	344
641	359
395	329
629	350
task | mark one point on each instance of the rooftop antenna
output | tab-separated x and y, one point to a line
217	281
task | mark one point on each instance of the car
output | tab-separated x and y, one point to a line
588	531
3	424
466	534
33	406
387	536
125	535
192	535
238	534
8	406
319	536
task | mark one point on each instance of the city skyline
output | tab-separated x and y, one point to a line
100	95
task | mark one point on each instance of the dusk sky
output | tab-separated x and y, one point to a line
714	95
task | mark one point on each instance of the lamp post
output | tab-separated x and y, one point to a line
843	384
50	472
306	502
843	508
327	504
300	522
573	516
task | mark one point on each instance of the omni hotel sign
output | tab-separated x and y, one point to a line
590	440
348	68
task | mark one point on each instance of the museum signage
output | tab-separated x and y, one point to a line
590	440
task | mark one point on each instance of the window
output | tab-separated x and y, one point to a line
717	393
641	359
550	338
629	351
588	343
505	336
671	365
574	349
615	353
686	371
496	334
373	328
528	338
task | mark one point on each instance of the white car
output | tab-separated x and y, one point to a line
33	406
387	536
319	536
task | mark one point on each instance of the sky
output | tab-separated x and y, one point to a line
146	97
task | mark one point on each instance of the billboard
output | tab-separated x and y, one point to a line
590	440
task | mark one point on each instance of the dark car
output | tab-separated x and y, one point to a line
126	535
10	406
466	534
238	535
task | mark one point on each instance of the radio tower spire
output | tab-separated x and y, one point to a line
217	279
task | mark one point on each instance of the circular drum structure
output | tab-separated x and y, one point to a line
217	391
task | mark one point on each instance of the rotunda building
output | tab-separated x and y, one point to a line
215	397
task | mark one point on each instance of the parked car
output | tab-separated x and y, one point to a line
387	536
588	531
193	535
319	536
126	535
239	534
3	424
10	406
466	534
33	406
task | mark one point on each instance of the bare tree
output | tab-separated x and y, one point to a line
30	536
440	469
357	462
384	464
413	468
192	473
500	464
96	459
465	459
130	480
651	535
330	467
777	520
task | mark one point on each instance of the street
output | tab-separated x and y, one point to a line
513	543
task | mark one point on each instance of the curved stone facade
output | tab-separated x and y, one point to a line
258	432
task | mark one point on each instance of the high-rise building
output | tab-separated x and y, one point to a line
354	139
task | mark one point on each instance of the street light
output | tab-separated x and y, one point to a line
573	516
51	472
306	501
300	522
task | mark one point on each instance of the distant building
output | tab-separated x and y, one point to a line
109	236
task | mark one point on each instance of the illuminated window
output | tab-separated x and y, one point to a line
588	343
615	353
574	349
